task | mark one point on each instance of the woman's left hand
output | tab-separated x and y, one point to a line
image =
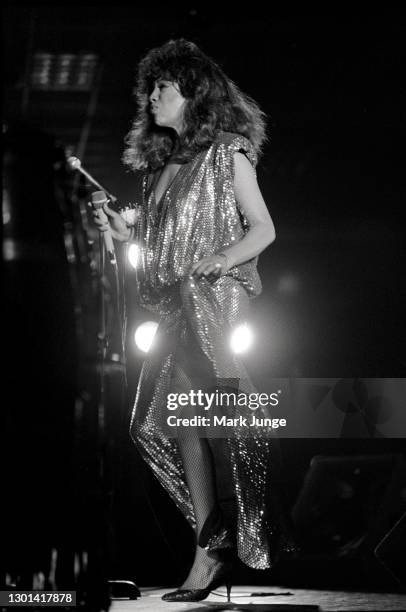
211	267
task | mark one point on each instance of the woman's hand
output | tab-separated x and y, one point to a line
211	267
113	221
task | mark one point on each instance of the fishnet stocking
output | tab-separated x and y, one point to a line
200	476
198	461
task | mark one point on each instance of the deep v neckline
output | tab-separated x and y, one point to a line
157	204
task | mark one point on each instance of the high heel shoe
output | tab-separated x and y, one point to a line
219	540
221	576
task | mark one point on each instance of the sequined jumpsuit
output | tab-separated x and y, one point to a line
198	217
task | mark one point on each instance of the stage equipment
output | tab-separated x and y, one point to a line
99	199
348	503
391	551
133	255
75	164
144	335
241	339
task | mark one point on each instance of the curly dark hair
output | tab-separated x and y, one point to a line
214	104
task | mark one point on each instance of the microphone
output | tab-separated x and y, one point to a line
98	199
75	164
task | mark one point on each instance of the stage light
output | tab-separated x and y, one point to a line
241	339
10	250
132	255
144	335
63	71
6	207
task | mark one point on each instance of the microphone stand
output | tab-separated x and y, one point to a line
117	588
103	342
75	164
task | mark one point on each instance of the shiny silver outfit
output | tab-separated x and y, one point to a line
198	216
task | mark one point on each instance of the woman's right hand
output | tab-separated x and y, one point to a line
111	220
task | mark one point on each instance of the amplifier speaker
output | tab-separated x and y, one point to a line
348	503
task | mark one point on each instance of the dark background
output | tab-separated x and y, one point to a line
333	303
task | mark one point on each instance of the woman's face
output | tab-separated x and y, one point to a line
167	104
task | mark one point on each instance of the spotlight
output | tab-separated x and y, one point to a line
6	207
241	339
133	252
144	335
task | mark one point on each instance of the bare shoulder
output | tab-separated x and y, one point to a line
245	175
243	164
232	143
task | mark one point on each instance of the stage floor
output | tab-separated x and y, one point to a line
270	598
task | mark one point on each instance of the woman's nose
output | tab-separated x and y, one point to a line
154	95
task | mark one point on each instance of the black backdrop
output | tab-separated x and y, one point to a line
332	175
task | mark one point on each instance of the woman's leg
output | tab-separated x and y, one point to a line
192	371
200	477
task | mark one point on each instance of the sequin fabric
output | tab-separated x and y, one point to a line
198	216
